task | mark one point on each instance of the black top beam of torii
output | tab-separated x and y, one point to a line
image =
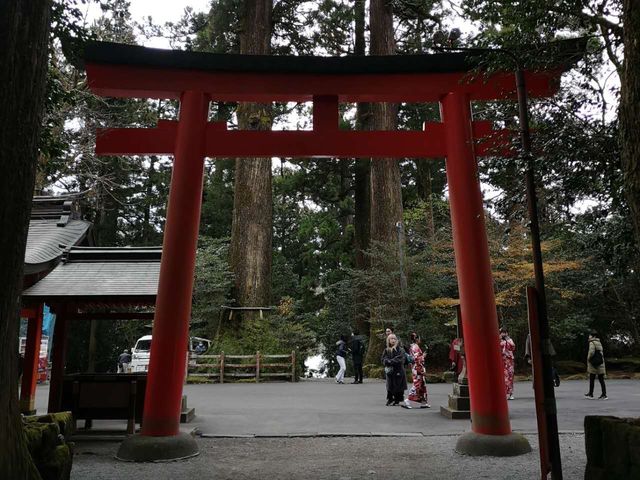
131	71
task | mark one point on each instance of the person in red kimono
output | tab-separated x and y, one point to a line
418	392
507	348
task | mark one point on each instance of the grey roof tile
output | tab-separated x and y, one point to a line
45	238
101	272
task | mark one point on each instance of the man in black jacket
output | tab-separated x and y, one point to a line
123	361
357	353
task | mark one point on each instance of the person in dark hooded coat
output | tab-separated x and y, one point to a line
393	359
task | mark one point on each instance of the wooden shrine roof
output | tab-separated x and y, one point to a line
101	276
55	221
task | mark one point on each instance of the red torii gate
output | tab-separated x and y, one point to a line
197	78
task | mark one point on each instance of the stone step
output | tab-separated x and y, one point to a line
460	390
187	415
459	403
454	414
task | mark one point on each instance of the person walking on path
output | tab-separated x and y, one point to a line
507	347
418	391
393	359
357	352
595	366
340	356
123	361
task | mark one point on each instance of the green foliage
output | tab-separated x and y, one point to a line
216	31
280	332
339	314
217	204
212	287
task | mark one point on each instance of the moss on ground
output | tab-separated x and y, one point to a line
46	437
57	465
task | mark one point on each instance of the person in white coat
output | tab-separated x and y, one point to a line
341	355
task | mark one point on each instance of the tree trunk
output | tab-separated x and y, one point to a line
630	111
24	35
362	183
251	231
146	226
425	192
105	226
386	193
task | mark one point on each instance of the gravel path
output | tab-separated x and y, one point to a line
307	408
341	458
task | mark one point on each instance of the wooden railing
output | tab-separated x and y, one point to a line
226	367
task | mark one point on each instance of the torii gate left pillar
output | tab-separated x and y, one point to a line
161	419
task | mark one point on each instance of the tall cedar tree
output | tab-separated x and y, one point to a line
362	184
251	231
24	35
386	193
630	109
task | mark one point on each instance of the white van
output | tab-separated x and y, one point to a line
141	352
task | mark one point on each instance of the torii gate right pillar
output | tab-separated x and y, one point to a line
491	429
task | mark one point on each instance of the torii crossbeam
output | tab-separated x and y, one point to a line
199	78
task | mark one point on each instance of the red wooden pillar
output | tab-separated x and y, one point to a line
173	304
489	411
58	360
31	359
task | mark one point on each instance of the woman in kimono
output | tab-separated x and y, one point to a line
507	347
418	392
393	359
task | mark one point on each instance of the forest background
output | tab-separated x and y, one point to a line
337	244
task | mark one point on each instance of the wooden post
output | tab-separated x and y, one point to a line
58	359
76	402
538	388
92	346
133	394
221	367
293	365
258	367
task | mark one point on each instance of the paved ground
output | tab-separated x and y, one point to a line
310	407
322	407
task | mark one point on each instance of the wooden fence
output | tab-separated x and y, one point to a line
232	367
